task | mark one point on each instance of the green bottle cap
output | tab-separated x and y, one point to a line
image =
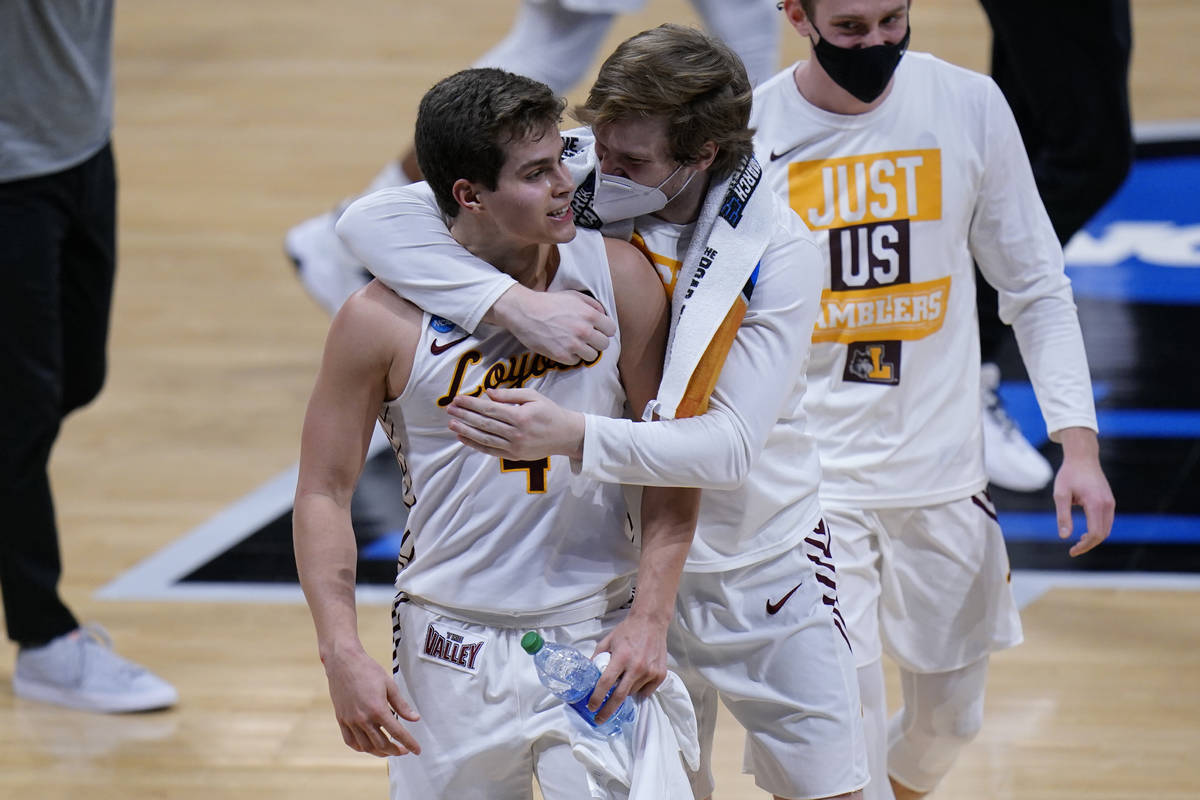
532	642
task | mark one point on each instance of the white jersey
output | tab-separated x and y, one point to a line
903	200
766	506
498	536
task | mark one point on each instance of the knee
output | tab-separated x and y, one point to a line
949	724
925	740
958	726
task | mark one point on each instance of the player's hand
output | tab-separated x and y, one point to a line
567	326
368	705
1081	482
519	424
637	664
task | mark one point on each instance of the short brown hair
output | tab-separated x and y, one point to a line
465	121
690	79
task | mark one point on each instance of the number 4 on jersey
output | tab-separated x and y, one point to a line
535	480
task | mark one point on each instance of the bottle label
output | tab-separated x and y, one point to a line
588	715
452	648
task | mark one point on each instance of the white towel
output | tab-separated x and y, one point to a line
713	289
649	762
715	281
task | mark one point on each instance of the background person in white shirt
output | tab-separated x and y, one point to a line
908	170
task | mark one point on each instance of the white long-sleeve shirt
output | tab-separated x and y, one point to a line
902	201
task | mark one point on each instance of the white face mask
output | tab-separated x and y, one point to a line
618	198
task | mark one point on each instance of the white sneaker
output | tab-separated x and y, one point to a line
329	272
1010	461
80	670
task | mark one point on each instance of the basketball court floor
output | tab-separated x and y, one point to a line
237	120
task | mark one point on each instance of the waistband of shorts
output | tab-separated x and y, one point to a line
615	595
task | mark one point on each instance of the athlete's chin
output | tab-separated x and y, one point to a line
563	232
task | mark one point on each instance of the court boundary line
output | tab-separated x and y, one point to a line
159	576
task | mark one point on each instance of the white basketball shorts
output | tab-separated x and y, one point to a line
487	725
931	585
768	640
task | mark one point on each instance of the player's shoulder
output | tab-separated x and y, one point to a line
625	261
770	95
929	69
787	226
637	289
791	243
780	80
374	321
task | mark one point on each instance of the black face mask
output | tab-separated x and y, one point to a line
862	71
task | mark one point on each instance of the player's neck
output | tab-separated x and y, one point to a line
822	91
530	264
533	267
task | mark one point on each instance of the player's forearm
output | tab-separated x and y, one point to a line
1051	344
1078	444
326	561
712	451
668	525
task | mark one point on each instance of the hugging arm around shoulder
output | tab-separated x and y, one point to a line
402	238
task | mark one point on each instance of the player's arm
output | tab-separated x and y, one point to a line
668	515
386	229
1018	252
712	451
364	361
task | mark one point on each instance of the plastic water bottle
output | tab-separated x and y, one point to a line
571	676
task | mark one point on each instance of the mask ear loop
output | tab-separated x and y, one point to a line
663	182
681	188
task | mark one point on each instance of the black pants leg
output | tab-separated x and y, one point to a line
57	266
1063	66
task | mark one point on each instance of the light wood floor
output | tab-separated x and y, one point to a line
235	120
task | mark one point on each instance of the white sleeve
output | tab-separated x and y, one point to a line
1013	242
756	388
401	237
399	234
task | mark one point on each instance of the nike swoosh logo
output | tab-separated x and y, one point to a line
776	156
438	349
773	608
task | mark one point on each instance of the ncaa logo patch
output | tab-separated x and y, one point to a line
452	648
441	325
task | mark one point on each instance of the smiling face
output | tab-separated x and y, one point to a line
531	201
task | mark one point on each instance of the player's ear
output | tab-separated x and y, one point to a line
466	194
797	17
706	156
